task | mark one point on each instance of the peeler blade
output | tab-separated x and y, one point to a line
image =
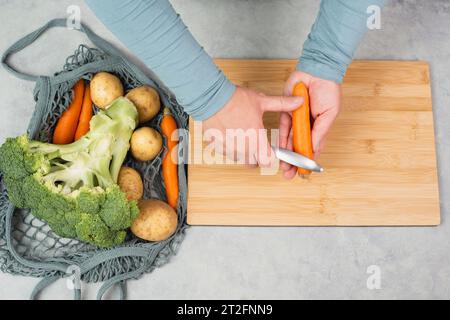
297	160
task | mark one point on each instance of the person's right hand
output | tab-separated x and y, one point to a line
244	112
325	104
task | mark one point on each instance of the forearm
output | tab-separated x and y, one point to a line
335	35
154	32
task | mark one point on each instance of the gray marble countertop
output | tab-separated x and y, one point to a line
264	263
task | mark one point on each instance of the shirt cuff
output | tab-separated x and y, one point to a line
215	102
320	70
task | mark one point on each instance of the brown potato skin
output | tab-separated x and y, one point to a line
147	102
105	88
130	182
156	221
145	144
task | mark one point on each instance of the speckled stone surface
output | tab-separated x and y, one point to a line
265	263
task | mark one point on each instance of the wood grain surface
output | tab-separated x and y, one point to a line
380	163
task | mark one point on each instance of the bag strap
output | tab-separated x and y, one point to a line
45	282
120	279
31	37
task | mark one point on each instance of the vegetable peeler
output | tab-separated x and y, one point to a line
297	160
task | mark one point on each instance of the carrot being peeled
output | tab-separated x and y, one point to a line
169	166
67	124
85	114
301	126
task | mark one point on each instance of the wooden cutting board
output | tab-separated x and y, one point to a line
380	164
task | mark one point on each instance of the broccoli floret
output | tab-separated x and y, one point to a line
91	228
15	191
91	200
73	187
115	210
15	160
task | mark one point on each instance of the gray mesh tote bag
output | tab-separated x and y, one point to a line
27	245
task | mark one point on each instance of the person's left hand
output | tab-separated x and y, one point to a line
325	104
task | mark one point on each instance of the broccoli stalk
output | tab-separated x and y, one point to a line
73	187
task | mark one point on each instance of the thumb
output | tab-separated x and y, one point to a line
280	103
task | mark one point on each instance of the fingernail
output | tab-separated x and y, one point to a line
316	146
287	175
284	166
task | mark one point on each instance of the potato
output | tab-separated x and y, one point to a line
145	144
105	88
156	221
147	102
130	183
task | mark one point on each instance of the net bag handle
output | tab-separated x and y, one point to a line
31	37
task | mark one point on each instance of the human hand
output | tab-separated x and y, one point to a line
325	104
245	111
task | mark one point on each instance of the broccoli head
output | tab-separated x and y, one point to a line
73	187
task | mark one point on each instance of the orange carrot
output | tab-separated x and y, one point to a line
301	126
85	114
68	122
169	166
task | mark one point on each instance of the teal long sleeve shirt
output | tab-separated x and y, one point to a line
335	35
154	32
